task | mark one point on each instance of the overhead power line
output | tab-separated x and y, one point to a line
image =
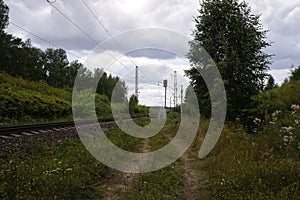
85	33
110	35
106	30
54	45
70	20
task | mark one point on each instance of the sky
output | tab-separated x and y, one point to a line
117	18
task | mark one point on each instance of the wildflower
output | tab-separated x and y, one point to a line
257	121
295	107
222	181
288	139
285	139
275	115
287	129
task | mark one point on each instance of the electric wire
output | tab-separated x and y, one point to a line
110	35
85	33
55	45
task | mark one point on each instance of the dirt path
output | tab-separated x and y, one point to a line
196	179
196	176
121	182
191	180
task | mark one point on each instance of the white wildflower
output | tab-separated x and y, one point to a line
222	181
285	139
287	129
257	121
288	139
275	115
295	107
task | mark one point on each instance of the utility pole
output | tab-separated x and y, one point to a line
181	97
165	85
136	82
175	89
170	103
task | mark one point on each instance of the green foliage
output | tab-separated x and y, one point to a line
65	170
24	101
62	170
234	38
265	165
133	104
166	183
295	74
31	86
3	15
270	84
266	103
18	104
244	166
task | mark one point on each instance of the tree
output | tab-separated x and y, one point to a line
270	84
56	63
72	70
234	38
190	101
133	102
294	73
3	15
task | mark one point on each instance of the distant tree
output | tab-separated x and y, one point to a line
191	101
271	84
133	102
285	81
102	84
120	91
56	64
234	38
294	73
189	97
71	72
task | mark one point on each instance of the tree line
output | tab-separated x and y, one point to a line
51	66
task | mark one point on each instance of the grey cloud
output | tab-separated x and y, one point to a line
280	17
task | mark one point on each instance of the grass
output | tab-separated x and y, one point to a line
56	170
61	170
243	166
66	170
166	183
27	102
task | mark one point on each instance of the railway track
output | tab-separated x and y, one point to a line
17	131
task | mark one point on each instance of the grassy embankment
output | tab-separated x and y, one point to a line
26	102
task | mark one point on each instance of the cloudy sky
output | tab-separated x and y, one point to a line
118	17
